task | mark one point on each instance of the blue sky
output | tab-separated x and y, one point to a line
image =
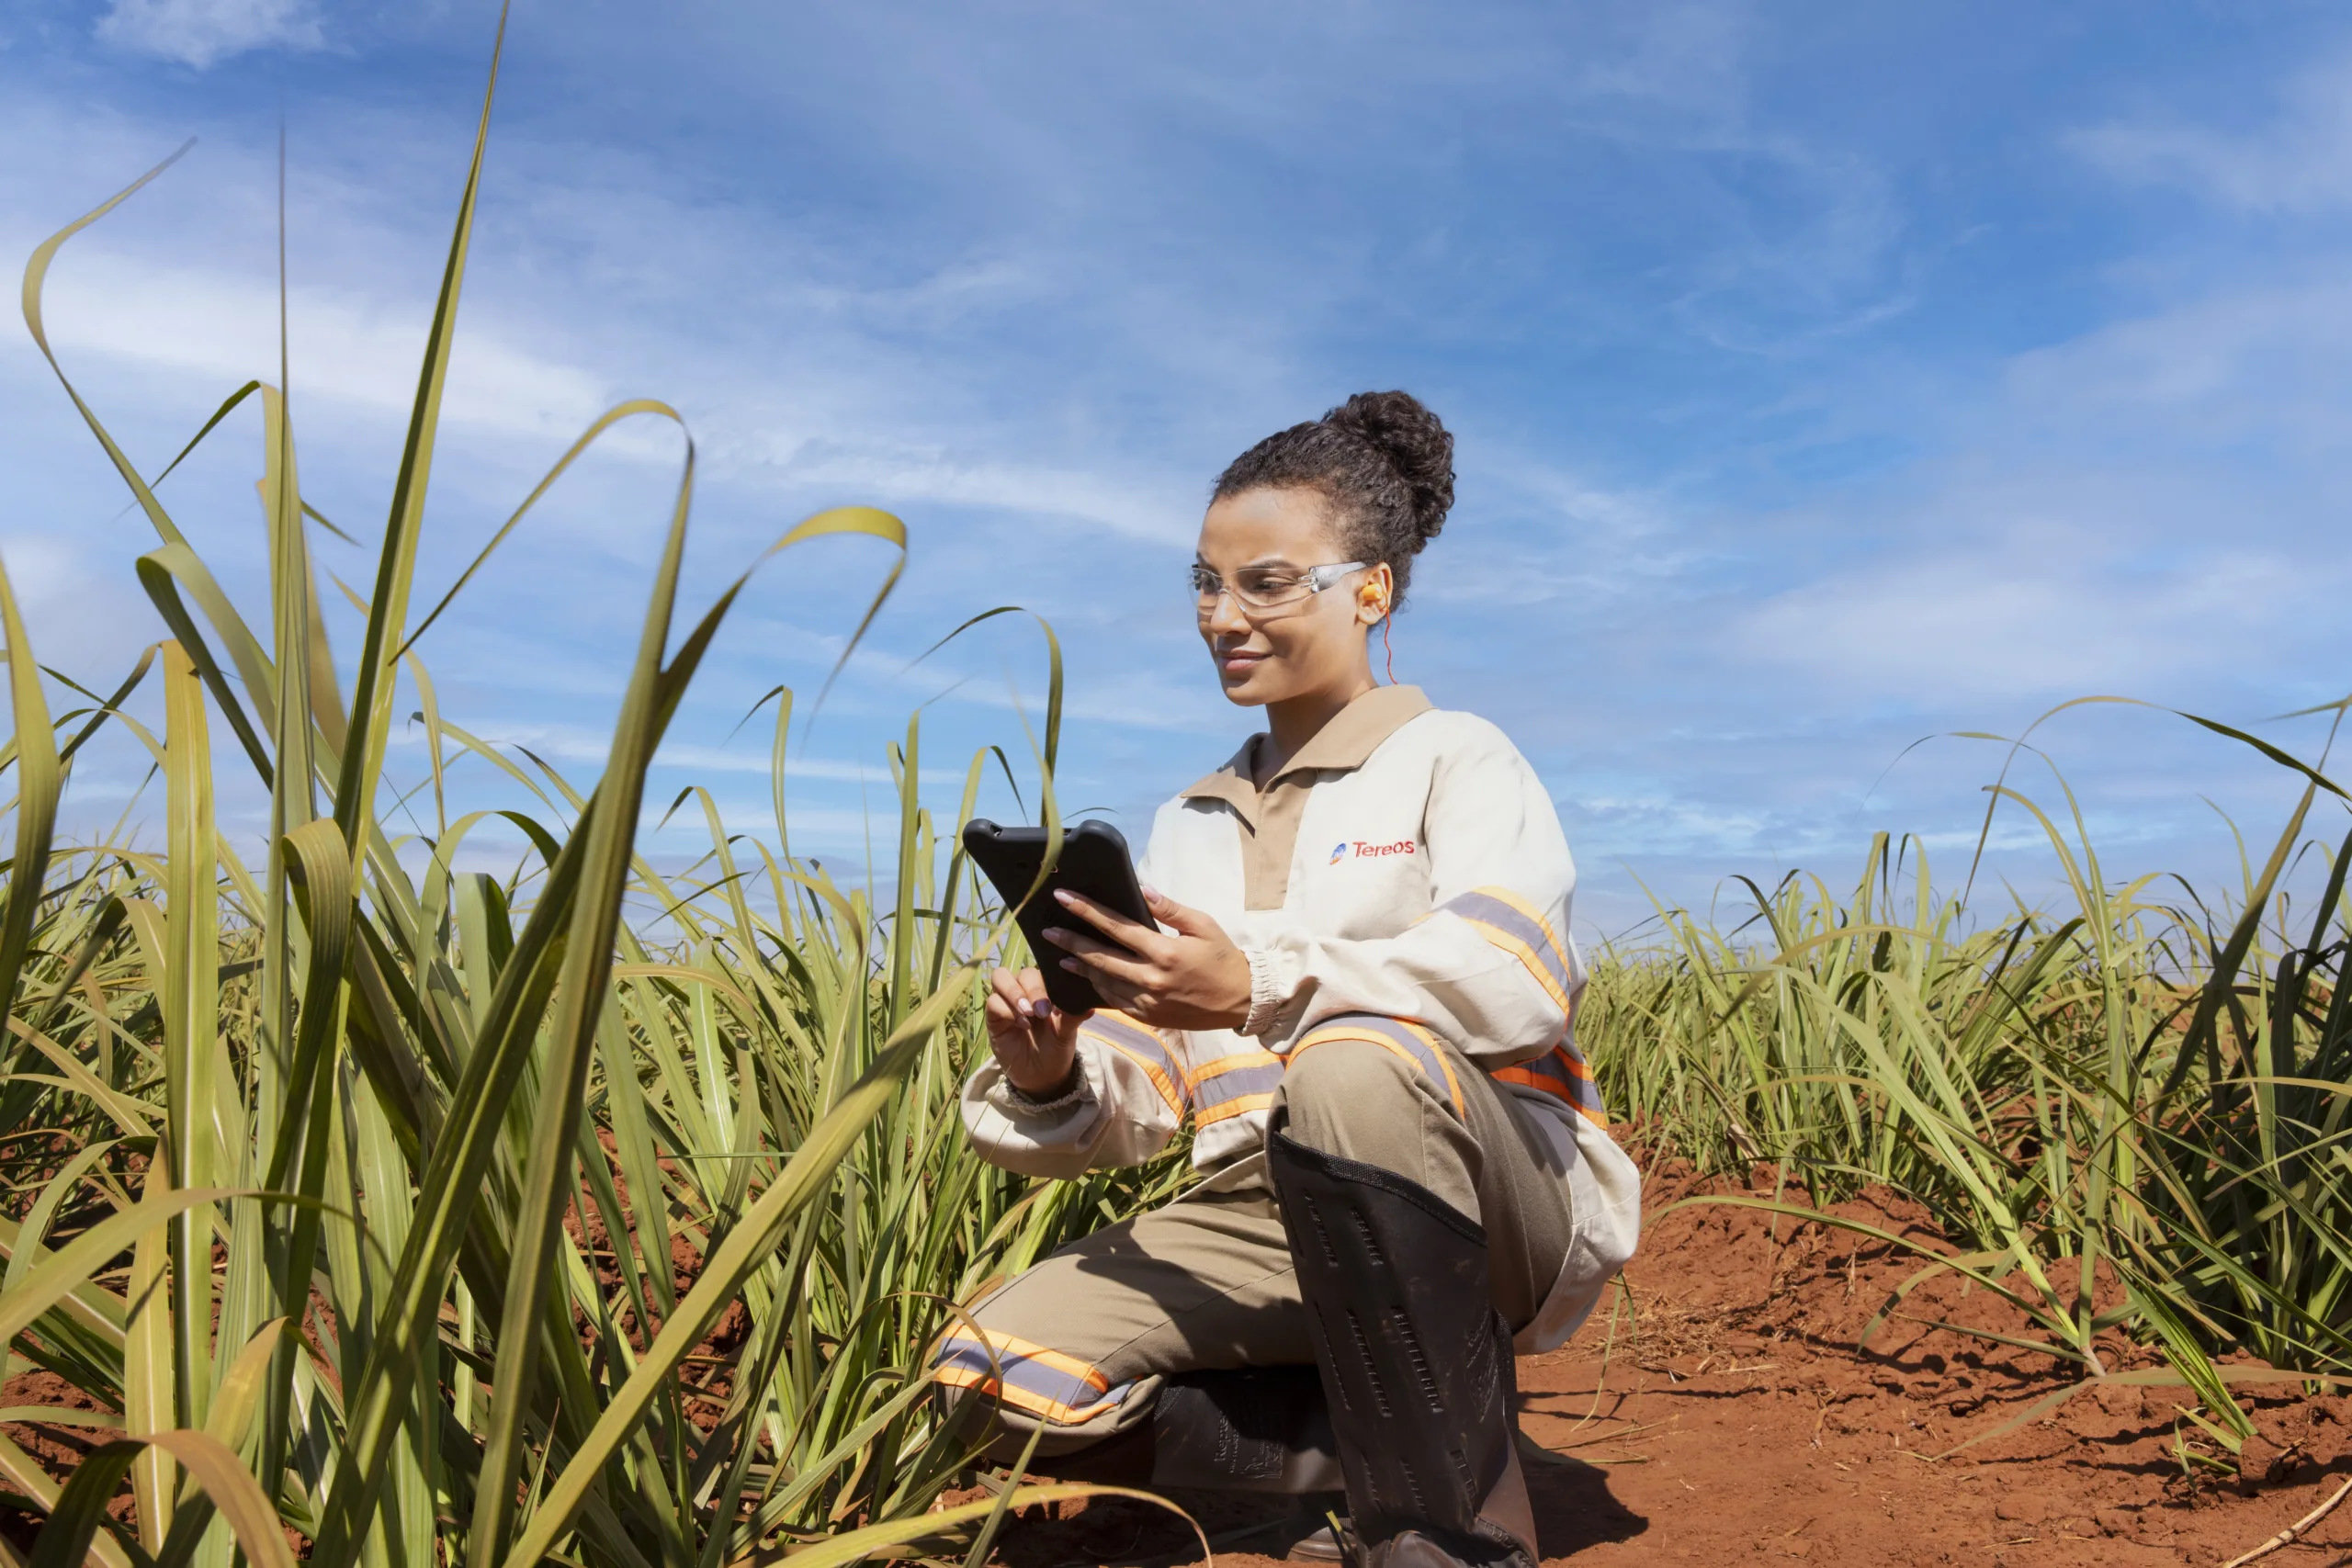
1827	378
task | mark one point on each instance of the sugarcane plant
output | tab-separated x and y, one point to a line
414	1212
2128	1116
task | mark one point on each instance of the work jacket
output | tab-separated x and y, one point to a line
1407	862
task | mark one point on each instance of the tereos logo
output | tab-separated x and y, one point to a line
1362	851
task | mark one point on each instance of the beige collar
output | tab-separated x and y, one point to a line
1346	741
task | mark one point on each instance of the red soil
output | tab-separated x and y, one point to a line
1723	1410
1734	1420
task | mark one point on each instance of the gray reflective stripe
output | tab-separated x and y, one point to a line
1561	1071
1123	1033
1508	917
1213	1088
1394	1032
1042	1381
1121	1029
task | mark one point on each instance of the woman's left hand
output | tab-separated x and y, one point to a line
1195	978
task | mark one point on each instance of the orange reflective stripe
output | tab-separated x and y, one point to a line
1437	1052
1240	1105
1142	1045
1034	1378
1505	919
1020	1398
1400	1037
1528	957
1227	1087
1554	951
1559	1072
1218	1067
1009	1347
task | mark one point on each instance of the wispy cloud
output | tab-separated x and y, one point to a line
212	329
2025	618
1803	409
201	32
2299	160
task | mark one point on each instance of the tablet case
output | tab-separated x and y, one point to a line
1095	862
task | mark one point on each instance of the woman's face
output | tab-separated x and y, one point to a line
1311	644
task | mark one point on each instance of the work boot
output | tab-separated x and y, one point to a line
1249	1429
1252	1429
1416	1363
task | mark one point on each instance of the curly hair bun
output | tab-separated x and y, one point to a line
1398	427
1380	460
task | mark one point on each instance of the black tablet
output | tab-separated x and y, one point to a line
1094	863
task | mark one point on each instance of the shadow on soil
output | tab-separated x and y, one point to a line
1574	1509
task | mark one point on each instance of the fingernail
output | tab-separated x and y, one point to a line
1064	895
1070	965
1055	935
1041	1009
1150	891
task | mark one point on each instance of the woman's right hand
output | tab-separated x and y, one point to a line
1035	1041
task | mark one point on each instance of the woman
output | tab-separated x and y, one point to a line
1362	993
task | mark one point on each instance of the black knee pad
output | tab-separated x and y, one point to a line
1415	1362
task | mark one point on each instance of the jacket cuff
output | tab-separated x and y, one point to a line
1269	993
1072	1090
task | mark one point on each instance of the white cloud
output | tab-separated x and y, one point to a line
2021	618
198	33
875	826
2301	161
2268	357
74	609
1031	303
897	474
1135	699
41	566
573	743
222	328
2101	529
1529	530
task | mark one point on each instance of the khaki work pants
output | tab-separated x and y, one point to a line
1079	1342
